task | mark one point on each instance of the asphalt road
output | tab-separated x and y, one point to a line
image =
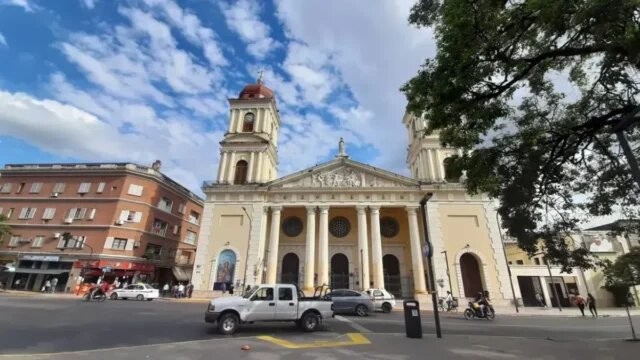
37	325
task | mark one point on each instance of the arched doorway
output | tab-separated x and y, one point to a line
391	269
471	279
290	269
339	272
226	269
240	176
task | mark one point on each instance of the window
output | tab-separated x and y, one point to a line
9	213
119	244
15	240
20	187
264	294
351	293
194	217
377	293
92	214
240	176
72	242
135	190
191	237
5	188
76	213
38	241
182	208
58	188
165	204
176	229
100	188
285	294
159	227
130	216
153	251
292	226
389	227
84	188
27	213
519	262
536	261
339	226
249	120
48	213
35	188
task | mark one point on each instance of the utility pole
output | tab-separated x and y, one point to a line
446	260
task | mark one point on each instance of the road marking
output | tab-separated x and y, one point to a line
353	324
354	339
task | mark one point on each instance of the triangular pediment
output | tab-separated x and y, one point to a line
343	173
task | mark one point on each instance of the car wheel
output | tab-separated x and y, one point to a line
149	299
361	310
140	297
228	324
386	308
114	296
310	322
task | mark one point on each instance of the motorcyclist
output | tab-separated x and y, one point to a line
482	300
103	289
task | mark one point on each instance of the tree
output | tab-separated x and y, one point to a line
4	228
531	90
624	271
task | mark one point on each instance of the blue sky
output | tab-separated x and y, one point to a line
140	80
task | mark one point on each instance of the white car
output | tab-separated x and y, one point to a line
136	291
382	299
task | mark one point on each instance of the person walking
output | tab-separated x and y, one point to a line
180	291
223	288
54	284
540	301
165	290
47	286
591	301
580	302
189	290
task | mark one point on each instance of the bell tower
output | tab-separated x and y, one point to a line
249	150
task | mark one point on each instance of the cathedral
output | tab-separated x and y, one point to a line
342	223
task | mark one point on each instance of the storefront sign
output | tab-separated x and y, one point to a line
116	265
41	257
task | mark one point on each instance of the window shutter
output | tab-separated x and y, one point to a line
138	217
124	214
129	245
83	211
35	188
101	188
23	213
175	229
32	213
92	214
135	190
61	244
71	213
108	244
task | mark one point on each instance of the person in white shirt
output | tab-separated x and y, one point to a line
180	290
449	300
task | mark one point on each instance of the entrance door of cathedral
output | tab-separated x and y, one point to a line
392	280
339	272
290	269
471	278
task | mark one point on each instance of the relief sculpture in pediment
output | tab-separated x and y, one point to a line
340	178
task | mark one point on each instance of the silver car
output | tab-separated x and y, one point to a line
347	301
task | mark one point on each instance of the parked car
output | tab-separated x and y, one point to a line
135	291
279	302
383	300
347	301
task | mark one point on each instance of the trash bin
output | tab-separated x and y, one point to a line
412	322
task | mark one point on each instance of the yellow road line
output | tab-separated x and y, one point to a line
354	339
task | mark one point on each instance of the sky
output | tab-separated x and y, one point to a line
140	80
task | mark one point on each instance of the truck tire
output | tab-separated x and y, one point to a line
310	322
228	324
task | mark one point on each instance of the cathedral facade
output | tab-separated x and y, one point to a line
342	223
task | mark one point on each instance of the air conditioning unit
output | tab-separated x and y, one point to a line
56	235
119	222
136	244
68	220
54	194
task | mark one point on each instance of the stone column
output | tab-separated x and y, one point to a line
310	252
439	165
416	253
545	291
250	170
222	168
274	239
376	248
363	247
432	173
231	167
259	176
323	246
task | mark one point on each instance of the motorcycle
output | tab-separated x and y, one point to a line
93	295
475	311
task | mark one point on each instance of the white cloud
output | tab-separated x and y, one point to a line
243	17
90	4
21	3
371	50
3	41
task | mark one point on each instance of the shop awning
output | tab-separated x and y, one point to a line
180	274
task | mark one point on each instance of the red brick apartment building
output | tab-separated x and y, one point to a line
78	222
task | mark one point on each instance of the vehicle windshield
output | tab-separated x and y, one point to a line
250	292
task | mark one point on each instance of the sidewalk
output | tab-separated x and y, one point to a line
566	312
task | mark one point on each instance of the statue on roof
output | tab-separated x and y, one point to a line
341	149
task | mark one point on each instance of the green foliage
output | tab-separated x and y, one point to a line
4	228
530	90
625	271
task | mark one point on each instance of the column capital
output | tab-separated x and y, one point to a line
324	208
375	209
276	208
311	209
411	209
361	209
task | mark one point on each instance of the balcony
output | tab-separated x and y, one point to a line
159	231
184	261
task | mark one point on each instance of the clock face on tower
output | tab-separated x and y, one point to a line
249	117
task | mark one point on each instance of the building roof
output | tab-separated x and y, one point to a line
256	91
617	225
102	167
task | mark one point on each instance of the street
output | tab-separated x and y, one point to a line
46	325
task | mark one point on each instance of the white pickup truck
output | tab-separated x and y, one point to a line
280	302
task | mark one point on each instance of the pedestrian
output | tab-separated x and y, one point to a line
54	283
449	300
230	288
180	290
47	286
190	290
591	301
165	290
223	288
540	301
580	302
174	290
17	284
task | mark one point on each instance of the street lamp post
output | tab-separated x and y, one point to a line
446	260
246	259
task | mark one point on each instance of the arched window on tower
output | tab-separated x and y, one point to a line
452	171
249	120
240	176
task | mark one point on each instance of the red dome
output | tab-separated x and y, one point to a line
256	91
